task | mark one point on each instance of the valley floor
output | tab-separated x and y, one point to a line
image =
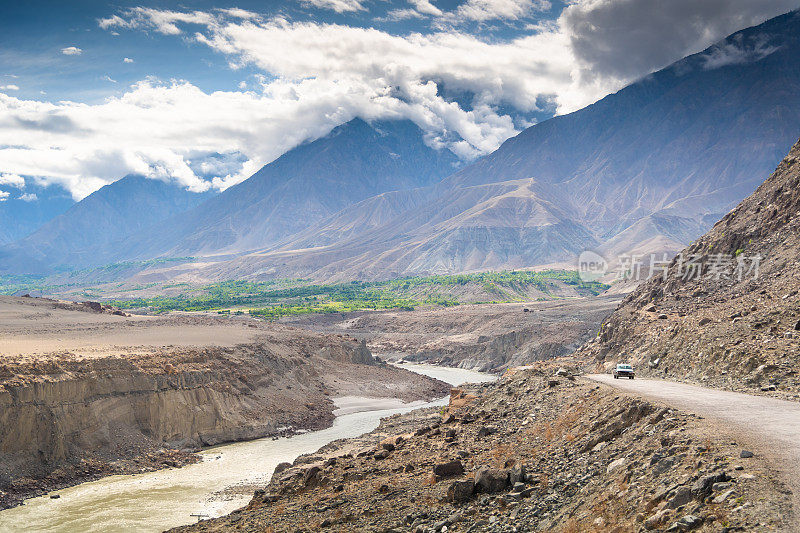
87	390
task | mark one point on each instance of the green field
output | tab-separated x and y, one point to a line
274	299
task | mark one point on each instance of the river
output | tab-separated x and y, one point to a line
221	482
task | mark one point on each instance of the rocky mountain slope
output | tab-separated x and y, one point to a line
85	392
89	229
531	452
647	169
727	312
355	161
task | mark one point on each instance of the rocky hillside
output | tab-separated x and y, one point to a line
530	453
488	338
728	313
85	392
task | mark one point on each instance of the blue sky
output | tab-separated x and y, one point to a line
204	93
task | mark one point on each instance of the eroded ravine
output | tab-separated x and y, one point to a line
222	482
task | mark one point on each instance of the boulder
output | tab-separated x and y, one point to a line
448	469
682	496
491	480
460	491
689	522
702	487
281	467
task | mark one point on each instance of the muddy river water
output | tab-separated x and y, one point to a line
221	482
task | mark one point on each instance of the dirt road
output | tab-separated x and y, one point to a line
766	426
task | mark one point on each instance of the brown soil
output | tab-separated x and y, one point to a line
531	452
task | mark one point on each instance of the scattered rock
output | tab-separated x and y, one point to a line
682	496
460	491
705	321
448	469
689	522
746	454
616	464
490	480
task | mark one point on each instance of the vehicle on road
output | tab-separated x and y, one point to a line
623	371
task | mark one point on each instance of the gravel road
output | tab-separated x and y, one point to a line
767	426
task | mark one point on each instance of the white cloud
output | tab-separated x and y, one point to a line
127	60
109	79
483	10
9	87
339	6
4	196
734	51
426	7
327	74
28	197
71	51
14	180
165	22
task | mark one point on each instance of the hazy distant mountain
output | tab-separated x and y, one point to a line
107	215
302	187
645	170
23	209
142	219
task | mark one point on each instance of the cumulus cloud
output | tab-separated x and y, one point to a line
71	51
14	180
127	60
9	87
4	196
28	197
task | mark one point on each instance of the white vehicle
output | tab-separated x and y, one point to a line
624	371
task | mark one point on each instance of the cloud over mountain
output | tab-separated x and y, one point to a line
327	73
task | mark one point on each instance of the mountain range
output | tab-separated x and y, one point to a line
647	169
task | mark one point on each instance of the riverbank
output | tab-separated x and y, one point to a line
223	481
532	452
86	391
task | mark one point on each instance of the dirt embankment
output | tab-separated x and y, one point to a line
477	337
532	452
78	400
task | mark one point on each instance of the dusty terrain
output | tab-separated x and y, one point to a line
532	452
772	426
724	327
488	337
86	390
